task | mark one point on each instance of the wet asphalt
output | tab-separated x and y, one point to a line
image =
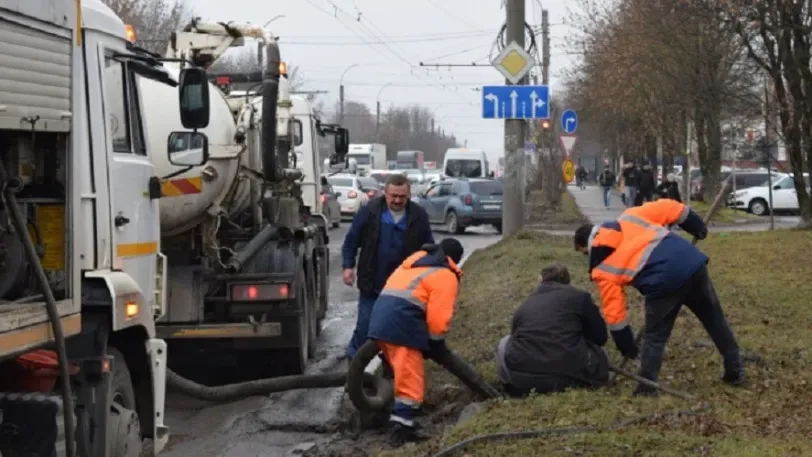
288	423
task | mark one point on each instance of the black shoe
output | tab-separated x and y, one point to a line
734	371
402	434
643	390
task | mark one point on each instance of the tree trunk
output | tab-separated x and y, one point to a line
712	180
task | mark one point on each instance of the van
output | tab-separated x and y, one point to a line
466	163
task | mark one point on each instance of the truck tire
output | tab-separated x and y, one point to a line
123	425
323	281
312	315
300	354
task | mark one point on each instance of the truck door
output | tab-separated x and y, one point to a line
135	225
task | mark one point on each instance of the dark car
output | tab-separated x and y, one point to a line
460	203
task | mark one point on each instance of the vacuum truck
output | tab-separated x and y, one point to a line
246	259
82	371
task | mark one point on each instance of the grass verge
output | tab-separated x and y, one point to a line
564	215
725	215
763	281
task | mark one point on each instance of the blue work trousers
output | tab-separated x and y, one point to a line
607	196
359	336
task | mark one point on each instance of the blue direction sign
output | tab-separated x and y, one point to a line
569	121
516	102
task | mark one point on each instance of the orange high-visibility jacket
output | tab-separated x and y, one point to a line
639	250
418	301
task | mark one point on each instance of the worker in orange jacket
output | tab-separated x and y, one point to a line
639	249
410	319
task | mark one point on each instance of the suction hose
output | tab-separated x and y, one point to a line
367	402
232	392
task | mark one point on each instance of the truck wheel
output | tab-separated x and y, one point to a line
124	428
312	317
300	354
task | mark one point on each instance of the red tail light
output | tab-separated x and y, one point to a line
468	199
352	194
259	292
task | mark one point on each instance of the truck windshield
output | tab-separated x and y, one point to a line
464	168
361	159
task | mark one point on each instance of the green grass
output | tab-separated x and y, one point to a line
565	214
763	280
724	215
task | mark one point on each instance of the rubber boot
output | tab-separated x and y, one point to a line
734	370
401	434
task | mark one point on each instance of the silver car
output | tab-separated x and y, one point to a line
351	195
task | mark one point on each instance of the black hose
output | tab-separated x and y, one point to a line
564	430
20	224
241	390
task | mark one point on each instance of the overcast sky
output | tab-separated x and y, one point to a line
387	40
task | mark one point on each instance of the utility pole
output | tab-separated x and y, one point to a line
341	104
545	48
513	201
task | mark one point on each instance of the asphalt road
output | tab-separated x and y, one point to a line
283	424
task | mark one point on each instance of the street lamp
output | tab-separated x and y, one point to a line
378	108
341	92
278	16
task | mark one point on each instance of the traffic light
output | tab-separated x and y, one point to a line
545	125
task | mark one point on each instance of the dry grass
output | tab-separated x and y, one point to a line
764	282
564	215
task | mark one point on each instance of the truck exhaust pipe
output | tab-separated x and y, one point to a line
270	97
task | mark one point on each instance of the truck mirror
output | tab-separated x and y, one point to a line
342	141
194	98
187	149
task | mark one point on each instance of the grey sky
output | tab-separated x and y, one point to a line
325	37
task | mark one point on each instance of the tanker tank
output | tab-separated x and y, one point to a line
221	182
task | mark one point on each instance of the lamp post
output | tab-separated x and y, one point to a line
341	93
378	108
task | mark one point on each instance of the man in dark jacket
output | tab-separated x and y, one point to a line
555	340
646	184
631	176
387	230
607	180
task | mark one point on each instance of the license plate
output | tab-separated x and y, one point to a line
491	206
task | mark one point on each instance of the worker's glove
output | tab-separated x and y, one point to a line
624	340
702	234
435	347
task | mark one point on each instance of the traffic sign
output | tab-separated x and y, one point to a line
569	121
569	171
568	143
516	102
514	62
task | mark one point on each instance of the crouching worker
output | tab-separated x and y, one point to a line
410	319
639	250
555	340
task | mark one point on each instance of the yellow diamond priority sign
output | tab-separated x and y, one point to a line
514	62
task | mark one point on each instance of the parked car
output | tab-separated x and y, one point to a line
329	203
744	179
756	199
371	187
460	203
351	196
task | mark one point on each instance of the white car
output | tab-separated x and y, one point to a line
351	196
756	199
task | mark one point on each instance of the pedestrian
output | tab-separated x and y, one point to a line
669	188
387	230
607	181
580	175
410	320
631	177
639	250
646	183
555	340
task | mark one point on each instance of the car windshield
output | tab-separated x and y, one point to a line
340	182
368	183
360	159
486	188
464	168
379	177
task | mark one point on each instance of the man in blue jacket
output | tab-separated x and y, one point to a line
387	230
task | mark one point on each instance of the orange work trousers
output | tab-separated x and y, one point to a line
410	379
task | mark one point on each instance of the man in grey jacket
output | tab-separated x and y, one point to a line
555	341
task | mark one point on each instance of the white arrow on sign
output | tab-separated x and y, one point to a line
495	100
513	104
537	102
568	143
